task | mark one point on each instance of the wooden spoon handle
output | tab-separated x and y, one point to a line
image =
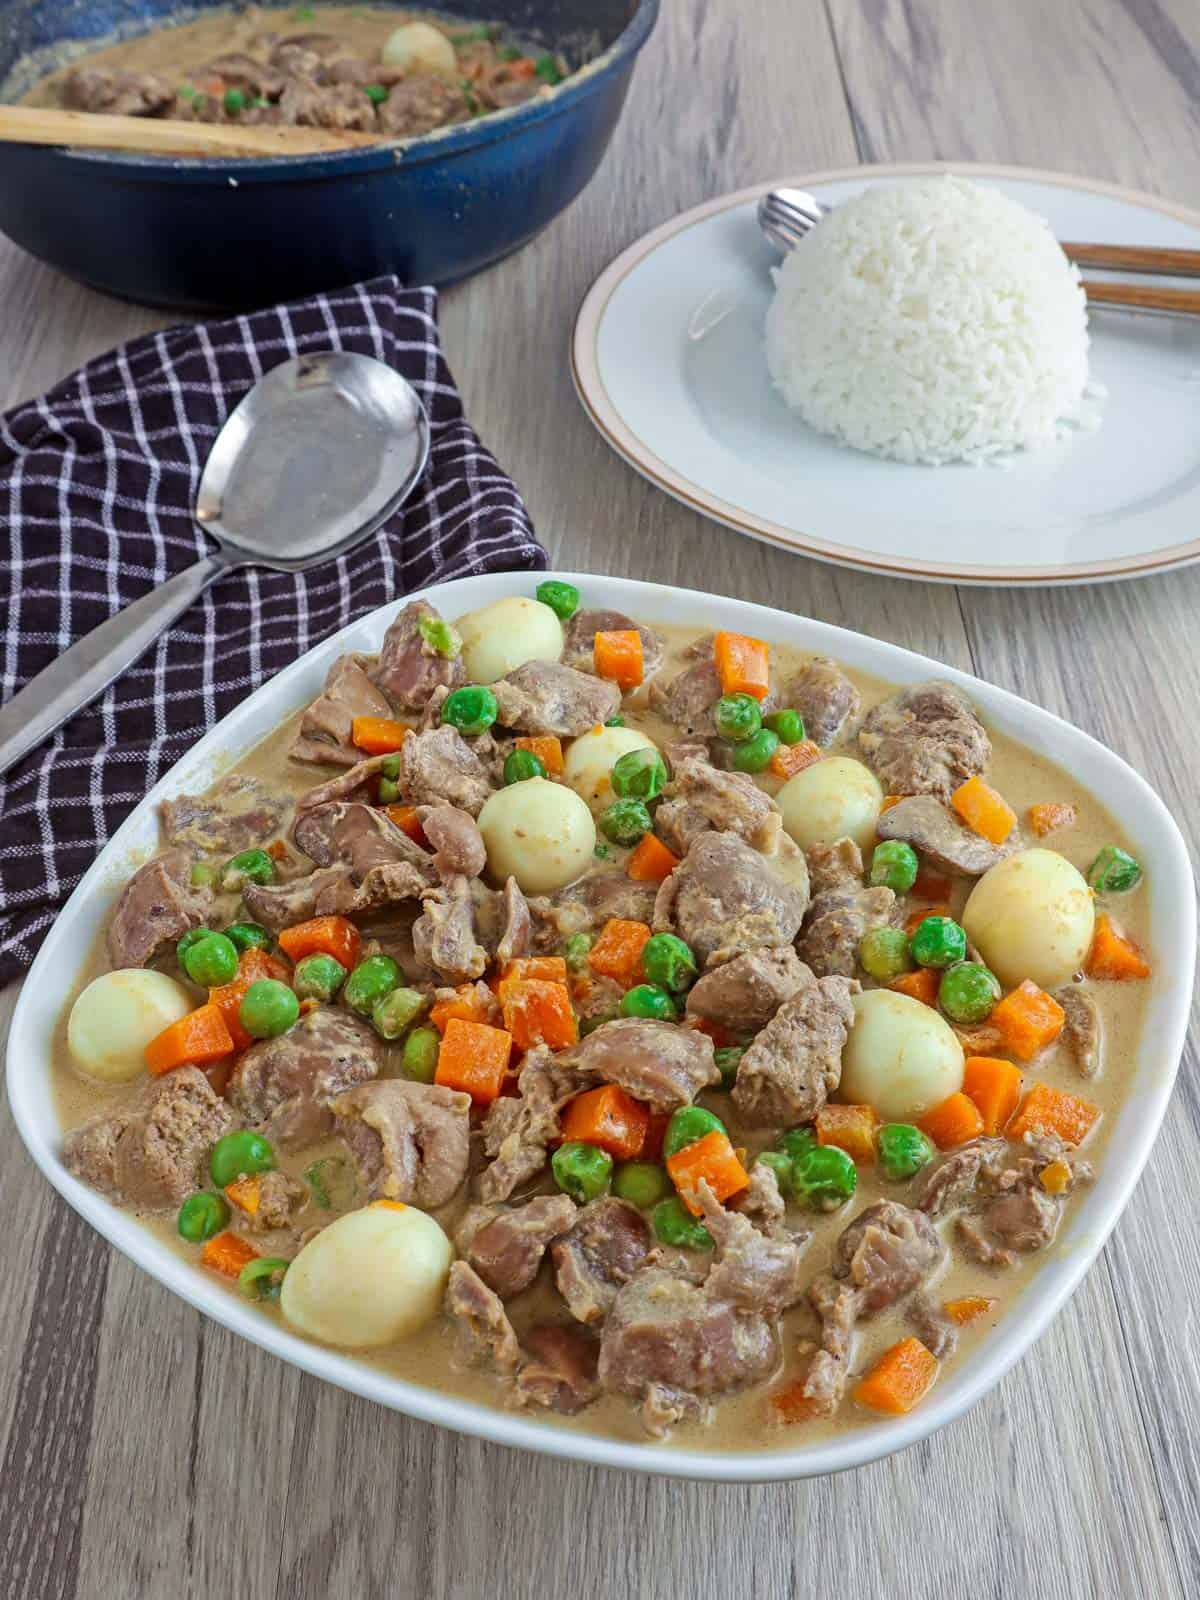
159	136
1136	258
1143	297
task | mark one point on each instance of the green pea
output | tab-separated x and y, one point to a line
239	1155
615	722
390	766
781	1166
894	866
509	52
201	1216
186	91
471	710
318	977
234	101
190	939
796	1142
376	94
639	775
581	1170
251	866
755	754
419	1058
575	951
370	982
647	1000
642	1183
602	852
211	962
883	954
249	936
625	821
737	717
903	1150
262	1278
389	791
824	1177
562	598
1114	871
729	1059
441	638
521	765
396	1011
967	992
203	876
938	942
669	962
789	725
675	1225
687	1125
268	1008
547	69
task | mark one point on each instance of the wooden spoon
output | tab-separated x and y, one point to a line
159	136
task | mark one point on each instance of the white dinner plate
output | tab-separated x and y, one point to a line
668	360
1172	939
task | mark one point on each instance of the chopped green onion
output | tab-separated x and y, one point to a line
376	94
547	69
1114	871
442	639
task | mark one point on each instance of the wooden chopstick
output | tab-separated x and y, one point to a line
1136	258
1143	297
159	136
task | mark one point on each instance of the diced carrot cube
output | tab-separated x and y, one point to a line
1029	1020
921	985
789	759
1114	957
792	1404
1052	1110
1047	818
969	1307
547	747
228	1254
995	1087
378	736
552	968
538	1012
851	1128
618	656
609	1118
743	664
617	952
408	821
955	1121
473	1057
651	861
198	1038
900	1378
245	1193
331	936
472	1002
712	1159
983	810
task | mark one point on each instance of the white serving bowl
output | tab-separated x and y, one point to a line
1141	813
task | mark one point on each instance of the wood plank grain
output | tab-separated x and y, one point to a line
182	1462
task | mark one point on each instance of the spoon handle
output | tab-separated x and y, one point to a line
89	666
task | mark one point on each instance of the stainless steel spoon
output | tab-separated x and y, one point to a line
313	459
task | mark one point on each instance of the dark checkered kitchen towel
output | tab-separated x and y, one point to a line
97	481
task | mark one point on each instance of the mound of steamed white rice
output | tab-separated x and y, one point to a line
931	321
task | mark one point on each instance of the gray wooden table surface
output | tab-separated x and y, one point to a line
145	1452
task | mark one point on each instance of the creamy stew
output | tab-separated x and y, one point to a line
399	73
662	1032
